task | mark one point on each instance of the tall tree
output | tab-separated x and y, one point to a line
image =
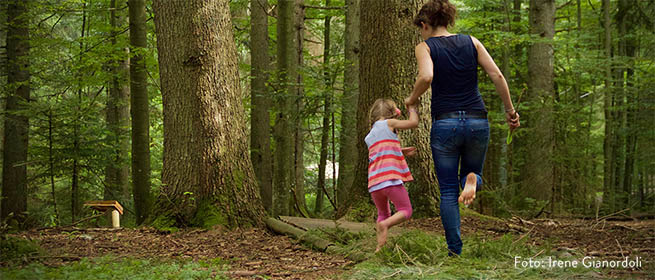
260	128
347	137
387	70
538	169
298	170
75	180
287	69
206	180
118	113
607	103
16	127
327	108
139	110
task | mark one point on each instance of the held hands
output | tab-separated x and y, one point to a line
408	151
409	102
513	119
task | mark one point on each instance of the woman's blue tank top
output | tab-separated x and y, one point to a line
455	80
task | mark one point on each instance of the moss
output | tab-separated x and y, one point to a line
164	223
472	213
361	211
12	248
208	215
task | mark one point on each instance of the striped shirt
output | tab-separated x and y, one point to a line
386	163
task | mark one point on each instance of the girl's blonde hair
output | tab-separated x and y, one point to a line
382	108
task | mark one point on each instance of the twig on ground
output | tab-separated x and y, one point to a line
392	274
522	236
613	214
620	248
542	250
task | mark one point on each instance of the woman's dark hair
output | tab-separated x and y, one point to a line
436	13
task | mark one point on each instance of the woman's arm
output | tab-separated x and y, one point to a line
425	73
489	66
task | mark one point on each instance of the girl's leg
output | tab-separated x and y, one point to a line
382	204
444	140
400	199
473	155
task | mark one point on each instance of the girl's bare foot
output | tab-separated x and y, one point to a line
381	231
468	194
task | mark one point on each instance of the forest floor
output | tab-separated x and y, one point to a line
489	251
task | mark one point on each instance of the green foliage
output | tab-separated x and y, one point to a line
420	255
16	249
109	267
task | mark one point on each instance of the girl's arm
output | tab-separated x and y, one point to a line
412	122
425	73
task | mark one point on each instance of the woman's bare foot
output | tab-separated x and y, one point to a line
468	194
381	231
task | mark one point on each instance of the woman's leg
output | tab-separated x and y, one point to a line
444	142
473	153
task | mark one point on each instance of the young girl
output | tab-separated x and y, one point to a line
387	168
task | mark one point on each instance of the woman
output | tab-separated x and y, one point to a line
460	131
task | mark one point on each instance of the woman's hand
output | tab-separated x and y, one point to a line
409	101
513	119
409	151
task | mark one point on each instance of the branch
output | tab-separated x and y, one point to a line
323	7
564	5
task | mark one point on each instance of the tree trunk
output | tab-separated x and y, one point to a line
348	135
538	181
16	127
287	69
75	176
139	111
298	171
260	128
118	115
628	50
325	130
206	179
388	70
607	142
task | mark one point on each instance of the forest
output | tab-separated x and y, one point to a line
211	120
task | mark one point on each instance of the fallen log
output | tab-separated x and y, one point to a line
315	241
287	229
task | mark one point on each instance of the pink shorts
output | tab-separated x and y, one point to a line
398	196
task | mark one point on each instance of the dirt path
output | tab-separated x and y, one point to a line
246	252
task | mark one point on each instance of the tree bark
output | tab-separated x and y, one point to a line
298	171
538	174
287	69
139	111
388	70
260	128
75	176
348	135
118	115
327	108
607	142
206	178
16	127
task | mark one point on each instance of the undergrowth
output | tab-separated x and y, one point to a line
110	267
417	254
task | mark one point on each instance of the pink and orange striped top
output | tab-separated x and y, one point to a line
387	165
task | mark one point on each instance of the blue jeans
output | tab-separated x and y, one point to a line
459	146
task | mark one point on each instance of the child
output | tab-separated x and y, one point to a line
387	169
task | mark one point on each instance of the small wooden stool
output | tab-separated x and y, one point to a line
108	205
